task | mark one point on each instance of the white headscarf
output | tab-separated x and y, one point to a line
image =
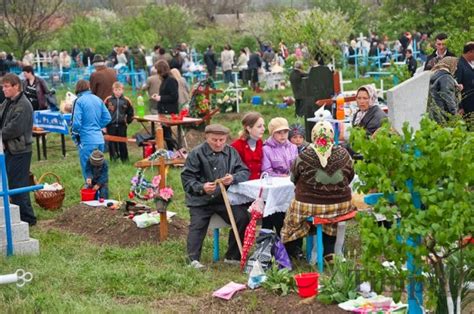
322	137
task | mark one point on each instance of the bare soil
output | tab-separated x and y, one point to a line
104	226
111	227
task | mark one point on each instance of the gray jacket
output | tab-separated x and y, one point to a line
16	124
204	165
443	92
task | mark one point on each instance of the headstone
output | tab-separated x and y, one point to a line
318	85
408	100
22	243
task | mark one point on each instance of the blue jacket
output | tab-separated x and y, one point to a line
89	117
98	174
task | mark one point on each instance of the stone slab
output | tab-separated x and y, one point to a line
20	232
14	214
407	101
29	247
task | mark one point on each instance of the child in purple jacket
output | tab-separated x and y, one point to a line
278	155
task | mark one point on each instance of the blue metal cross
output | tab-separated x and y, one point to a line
5	193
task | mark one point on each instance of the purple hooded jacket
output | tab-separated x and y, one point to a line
277	158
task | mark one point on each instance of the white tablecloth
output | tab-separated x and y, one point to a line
277	195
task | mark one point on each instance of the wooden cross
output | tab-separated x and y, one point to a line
208	91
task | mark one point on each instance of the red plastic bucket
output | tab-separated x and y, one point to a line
307	284
88	194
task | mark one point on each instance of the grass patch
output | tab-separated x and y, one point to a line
71	274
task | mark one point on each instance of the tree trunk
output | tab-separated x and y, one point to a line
449	297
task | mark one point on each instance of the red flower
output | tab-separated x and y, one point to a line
321	142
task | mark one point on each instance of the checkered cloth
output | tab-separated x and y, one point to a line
296	226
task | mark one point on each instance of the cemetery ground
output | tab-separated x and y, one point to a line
95	260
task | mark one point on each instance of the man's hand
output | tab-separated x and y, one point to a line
96	187
228	179
461	111
460	87
88	181
209	187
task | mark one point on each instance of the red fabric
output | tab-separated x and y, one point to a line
252	159
323	221
250	235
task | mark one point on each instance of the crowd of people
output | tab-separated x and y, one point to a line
320	170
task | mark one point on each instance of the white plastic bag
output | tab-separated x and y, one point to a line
257	276
146	220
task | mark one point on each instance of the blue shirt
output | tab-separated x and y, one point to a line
89	117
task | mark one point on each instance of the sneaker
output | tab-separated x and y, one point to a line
232	261
196	265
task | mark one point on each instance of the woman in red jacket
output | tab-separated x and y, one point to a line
250	145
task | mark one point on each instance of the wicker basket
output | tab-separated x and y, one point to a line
51	200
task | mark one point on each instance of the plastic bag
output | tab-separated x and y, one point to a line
146	220
257	276
268	245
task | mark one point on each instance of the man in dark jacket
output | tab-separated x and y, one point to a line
206	163
254	63
16	124
210	61
410	61
465	77
440	52
296	80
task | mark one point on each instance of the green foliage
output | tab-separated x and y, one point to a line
279	281
339	282
396	16
439	162
318	29
171	23
400	72
356	12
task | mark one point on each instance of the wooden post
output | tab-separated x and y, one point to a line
162	171
336	82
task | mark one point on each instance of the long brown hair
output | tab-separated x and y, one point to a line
249	120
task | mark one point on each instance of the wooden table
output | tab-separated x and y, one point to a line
167	121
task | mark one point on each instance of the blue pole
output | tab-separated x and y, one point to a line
5	193
6	205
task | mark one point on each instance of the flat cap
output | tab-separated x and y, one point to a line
216	129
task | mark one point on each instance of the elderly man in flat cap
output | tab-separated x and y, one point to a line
206	163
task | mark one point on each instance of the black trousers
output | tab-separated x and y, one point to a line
294	248
18	171
274	222
200	217
171	143
118	149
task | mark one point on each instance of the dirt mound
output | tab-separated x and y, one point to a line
105	226
247	301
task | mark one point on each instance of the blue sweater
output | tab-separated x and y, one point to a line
89	117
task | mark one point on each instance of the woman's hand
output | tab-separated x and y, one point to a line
156	97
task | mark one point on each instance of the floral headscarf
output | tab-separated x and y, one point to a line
448	64
372	101
322	136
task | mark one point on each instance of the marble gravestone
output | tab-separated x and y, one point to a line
407	101
317	85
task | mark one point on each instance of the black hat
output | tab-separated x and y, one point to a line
98	59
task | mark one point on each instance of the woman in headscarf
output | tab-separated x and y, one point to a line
322	174
443	90
369	116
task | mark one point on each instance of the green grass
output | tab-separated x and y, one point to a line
72	274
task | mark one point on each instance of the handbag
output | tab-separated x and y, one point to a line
52	101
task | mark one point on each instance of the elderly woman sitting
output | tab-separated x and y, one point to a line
369	116
322	174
